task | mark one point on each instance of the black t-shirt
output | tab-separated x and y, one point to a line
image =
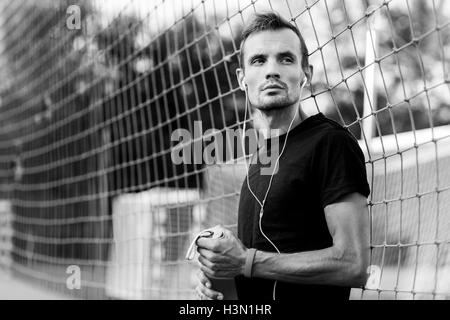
321	163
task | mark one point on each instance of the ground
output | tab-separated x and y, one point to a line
12	288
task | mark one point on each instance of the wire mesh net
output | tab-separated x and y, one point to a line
92	91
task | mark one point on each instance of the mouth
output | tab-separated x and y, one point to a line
273	87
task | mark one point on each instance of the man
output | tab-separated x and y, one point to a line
308	237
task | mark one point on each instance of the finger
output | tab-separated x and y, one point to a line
217	262
209	255
209	294
225	232
216	270
209	244
215	266
197	294
203	279
228	232
206	263
201	295
208	272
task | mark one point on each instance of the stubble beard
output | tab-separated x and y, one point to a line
274	103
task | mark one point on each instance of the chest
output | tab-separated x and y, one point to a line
280	184
293	217
288	195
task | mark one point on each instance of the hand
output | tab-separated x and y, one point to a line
221	257
203	288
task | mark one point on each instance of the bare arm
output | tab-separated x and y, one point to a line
343	264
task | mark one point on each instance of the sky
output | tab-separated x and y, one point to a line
158	15
169	11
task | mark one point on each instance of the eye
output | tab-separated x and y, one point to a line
287	60
257	61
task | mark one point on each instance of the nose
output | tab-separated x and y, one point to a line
272	71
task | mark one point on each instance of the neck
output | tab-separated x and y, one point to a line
277	121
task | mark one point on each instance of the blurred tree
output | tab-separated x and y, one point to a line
88	114
404	74
94	102
175	80
47	87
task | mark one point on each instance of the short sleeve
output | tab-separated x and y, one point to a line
339	167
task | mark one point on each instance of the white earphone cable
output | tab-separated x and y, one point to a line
261	213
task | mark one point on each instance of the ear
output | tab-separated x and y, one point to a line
309	73
241	78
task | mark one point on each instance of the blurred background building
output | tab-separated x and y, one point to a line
86	116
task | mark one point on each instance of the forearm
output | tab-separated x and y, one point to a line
330	266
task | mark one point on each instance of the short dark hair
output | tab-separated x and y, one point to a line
272	21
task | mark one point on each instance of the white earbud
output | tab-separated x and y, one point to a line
244	85
305	81
262	204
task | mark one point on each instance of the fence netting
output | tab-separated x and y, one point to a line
91	92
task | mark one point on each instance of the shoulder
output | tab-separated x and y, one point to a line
335	144
332	134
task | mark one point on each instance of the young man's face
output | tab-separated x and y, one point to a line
272	69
